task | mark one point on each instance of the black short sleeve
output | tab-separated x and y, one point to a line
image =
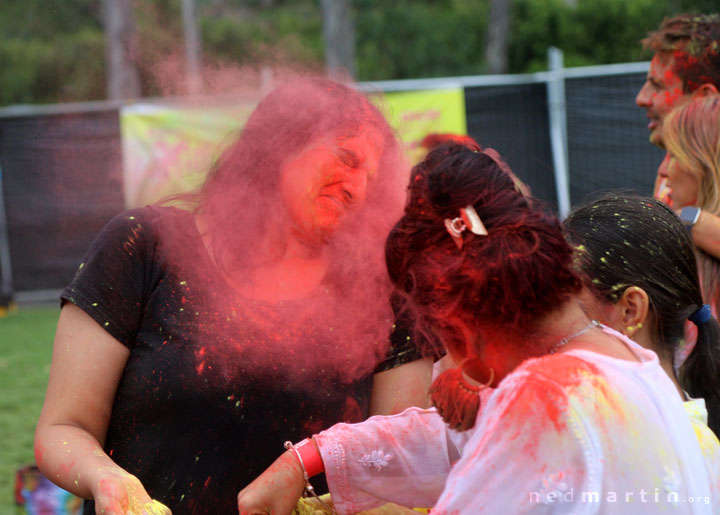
113	279
402	347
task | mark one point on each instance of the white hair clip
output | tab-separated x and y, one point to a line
468	219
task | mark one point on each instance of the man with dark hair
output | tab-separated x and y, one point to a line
686	62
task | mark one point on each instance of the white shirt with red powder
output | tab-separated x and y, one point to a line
575	432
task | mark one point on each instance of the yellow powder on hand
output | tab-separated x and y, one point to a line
154	508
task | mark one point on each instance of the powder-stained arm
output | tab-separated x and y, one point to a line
403	459
86	367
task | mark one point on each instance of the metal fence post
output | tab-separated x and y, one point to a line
6	288
557	118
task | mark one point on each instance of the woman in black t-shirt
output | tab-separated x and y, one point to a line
192	342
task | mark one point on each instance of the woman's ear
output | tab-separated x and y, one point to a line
634	307
460	346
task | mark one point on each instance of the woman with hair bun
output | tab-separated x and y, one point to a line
581	420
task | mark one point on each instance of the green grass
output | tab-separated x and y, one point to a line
26	338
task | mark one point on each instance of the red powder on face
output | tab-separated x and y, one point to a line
662	91
672	96
272	296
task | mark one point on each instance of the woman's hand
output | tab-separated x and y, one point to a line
276	491
119	493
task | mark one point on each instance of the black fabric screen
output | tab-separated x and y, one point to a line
62	173
61	183
513	120
608	142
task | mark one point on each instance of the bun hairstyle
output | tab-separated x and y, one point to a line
626	240
504	281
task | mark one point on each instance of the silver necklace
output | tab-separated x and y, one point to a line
567	339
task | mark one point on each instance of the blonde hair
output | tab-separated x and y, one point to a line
692	135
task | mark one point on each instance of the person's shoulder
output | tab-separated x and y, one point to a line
530	396
562	369
133	217
148	218
547	380
136	227
536	380
156	212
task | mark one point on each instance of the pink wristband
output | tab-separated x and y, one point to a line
309	456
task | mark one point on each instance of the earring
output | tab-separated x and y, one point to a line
632	328
457	401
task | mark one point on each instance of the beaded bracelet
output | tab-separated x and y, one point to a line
306	449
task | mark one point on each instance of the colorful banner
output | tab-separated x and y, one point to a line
169	149
415	114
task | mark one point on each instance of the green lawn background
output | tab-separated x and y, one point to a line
26	337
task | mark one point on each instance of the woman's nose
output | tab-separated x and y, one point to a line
355	185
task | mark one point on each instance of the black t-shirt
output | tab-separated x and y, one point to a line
194	423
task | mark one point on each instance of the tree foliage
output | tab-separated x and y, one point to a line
246	33
54	50
50	51
407	39
588	31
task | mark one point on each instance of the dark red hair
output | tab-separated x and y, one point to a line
435	139
505	281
